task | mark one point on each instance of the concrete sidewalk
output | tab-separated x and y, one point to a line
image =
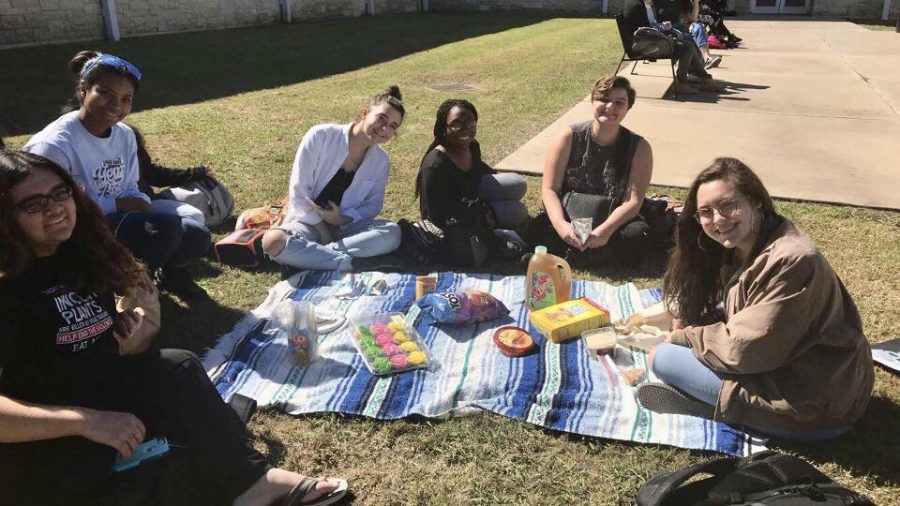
812	106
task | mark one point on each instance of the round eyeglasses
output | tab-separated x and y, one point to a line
726	209
39	203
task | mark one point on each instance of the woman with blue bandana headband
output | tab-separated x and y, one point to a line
100	152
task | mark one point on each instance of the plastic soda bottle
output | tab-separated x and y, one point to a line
548	280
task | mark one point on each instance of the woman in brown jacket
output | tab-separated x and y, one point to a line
786	355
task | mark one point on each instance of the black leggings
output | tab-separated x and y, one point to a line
627	245
212	460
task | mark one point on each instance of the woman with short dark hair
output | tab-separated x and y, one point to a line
598	158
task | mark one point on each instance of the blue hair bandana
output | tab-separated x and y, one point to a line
110	61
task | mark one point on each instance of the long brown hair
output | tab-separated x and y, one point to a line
91	259
692	285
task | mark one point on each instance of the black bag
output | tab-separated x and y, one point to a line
421	240
660	216
765	478
651	43
469	236
586	205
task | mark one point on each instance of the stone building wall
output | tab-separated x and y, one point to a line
140	17
487	5
42	21
48	21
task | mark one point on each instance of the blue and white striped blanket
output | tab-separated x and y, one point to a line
559	387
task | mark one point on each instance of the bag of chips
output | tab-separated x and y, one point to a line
460	308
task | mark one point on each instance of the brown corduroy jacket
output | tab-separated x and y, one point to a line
791	349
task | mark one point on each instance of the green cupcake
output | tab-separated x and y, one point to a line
382	364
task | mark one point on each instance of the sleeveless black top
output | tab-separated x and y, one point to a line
600	170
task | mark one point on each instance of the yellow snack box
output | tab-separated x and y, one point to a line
567	320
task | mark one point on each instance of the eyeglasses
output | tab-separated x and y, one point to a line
456	127
110	61
726	208
39	203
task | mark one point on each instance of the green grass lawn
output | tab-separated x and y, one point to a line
239	100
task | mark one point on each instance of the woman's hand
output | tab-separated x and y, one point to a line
566	232
122	431
325	236
596	240
127	323
330	215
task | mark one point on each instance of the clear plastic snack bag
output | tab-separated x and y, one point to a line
297	321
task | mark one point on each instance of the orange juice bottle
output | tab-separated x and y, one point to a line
548	281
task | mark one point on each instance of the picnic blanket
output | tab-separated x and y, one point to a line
558	387
888	354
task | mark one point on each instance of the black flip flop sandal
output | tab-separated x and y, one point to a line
295	498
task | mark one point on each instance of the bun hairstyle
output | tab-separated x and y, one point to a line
391	96
76	67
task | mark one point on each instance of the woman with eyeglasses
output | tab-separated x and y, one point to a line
337	190
72	395
100	152
606	165
452	170
786	355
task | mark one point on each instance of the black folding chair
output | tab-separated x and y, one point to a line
626	33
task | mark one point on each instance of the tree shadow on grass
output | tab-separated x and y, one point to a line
195	67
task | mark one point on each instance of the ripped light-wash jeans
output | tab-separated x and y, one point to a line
355	240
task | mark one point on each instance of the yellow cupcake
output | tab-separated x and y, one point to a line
401	337
417	358
409	347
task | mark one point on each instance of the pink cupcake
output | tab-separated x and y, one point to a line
384	339
389	350
399	361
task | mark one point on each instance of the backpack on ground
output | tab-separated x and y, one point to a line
766	478
208	195
469	236
421	240
652	43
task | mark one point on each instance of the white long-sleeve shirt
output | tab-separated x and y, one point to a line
107	168
322	151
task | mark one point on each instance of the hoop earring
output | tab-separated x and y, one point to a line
700	237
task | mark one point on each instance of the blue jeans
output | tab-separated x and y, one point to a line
677	366
356	240
504	191
160	239
177	208
698	32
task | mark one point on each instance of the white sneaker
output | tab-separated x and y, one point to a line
713	61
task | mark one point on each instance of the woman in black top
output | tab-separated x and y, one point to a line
599	157
70	396
452	170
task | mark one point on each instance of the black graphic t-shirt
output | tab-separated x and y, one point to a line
56	344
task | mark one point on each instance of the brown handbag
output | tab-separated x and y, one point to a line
145	296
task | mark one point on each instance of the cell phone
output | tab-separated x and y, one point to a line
147	451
